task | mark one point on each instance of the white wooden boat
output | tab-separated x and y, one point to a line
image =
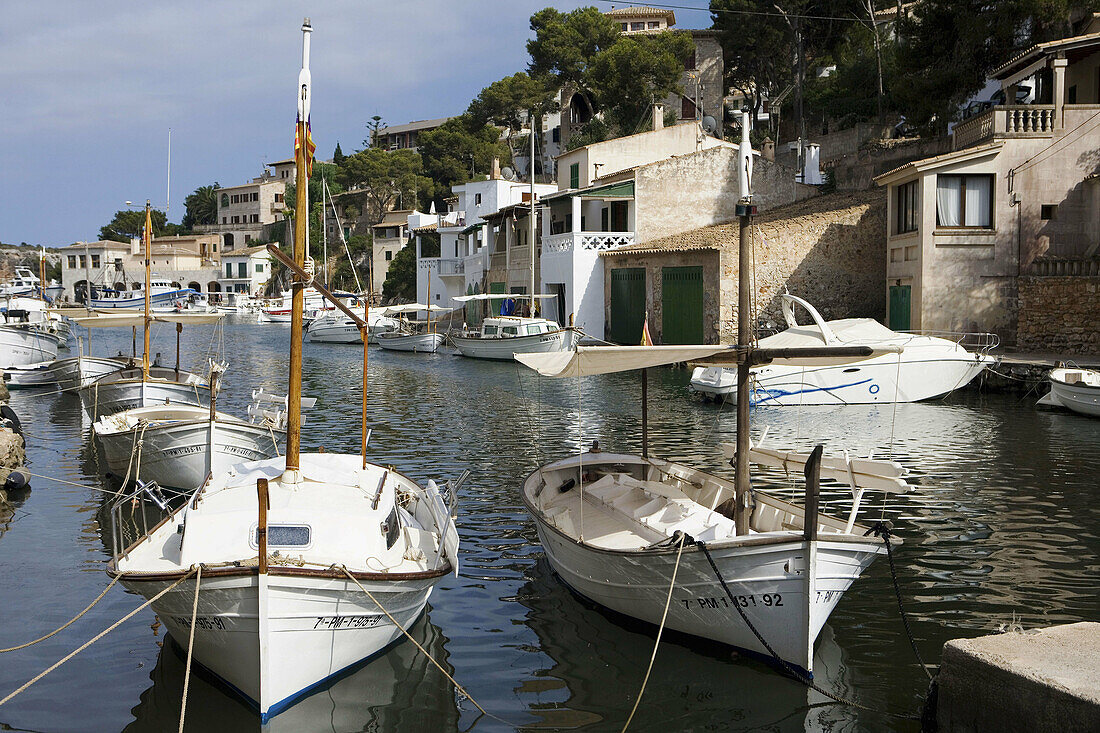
501	337
1075	389
175	442
277	625
927	366
26	343
63	373
126	389
311	563
609	523
421	343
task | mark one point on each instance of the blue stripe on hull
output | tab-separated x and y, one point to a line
775	393
290	700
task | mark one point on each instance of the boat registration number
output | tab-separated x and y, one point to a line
206	623
767	600
346	622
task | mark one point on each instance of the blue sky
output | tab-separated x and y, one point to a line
91	90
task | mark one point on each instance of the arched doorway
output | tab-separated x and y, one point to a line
227	243
580	111
195	286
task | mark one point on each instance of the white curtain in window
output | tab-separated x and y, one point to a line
948	200
977	201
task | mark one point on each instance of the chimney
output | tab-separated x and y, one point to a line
767	149
658	116
496	169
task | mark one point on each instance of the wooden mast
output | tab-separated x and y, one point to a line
531	214
745	210
301	181
147	235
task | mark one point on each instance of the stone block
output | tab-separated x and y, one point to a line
1038	681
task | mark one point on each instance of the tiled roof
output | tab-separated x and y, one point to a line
963	154
1039	49
642	11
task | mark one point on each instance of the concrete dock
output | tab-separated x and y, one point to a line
1037	681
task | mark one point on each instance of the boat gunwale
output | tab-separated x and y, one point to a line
757	540
275	570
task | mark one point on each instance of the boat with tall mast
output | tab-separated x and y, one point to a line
128	388
292	570
660	541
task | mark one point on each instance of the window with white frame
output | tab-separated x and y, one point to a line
964	201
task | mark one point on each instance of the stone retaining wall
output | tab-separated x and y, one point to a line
1059	314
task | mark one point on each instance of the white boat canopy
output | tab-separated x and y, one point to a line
414	307
591	360
119	320
500	296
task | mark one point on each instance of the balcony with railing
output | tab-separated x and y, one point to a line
586	241
1005	121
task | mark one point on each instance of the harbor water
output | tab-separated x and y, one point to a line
1001	531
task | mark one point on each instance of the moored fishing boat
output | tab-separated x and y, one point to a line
1075	389
302	566
178	446
24	343
502	337
411	336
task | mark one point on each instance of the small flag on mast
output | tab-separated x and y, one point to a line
647	339
311	147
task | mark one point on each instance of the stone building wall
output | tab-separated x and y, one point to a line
1059	314
829	250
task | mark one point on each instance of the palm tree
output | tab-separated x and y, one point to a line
202	206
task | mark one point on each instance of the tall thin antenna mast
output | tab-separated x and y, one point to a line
168	193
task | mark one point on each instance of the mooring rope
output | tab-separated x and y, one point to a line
882	529
190	648
409	636
660	630
787	666
67	624
96	638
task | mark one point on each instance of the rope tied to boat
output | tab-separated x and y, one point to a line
190	648
882	529
660	629
67	624
98	636
460	688
783	663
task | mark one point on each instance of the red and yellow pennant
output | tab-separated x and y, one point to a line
647	339
311	147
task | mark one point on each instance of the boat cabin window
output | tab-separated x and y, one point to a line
536	328
509	330
284	535
490	330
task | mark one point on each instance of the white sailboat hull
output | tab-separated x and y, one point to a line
174	454
313	628
919	376
773	597
106	398
425	343
21	345
81	370
504	348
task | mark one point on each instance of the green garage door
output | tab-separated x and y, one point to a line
682	305
900	299
627	304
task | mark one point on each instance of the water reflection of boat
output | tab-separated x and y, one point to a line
598	658
398	691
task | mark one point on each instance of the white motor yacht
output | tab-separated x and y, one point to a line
924	368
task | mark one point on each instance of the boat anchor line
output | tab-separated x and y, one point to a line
785	665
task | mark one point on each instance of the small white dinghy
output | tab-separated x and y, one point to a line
1075	389
923	367
408	336
302	566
